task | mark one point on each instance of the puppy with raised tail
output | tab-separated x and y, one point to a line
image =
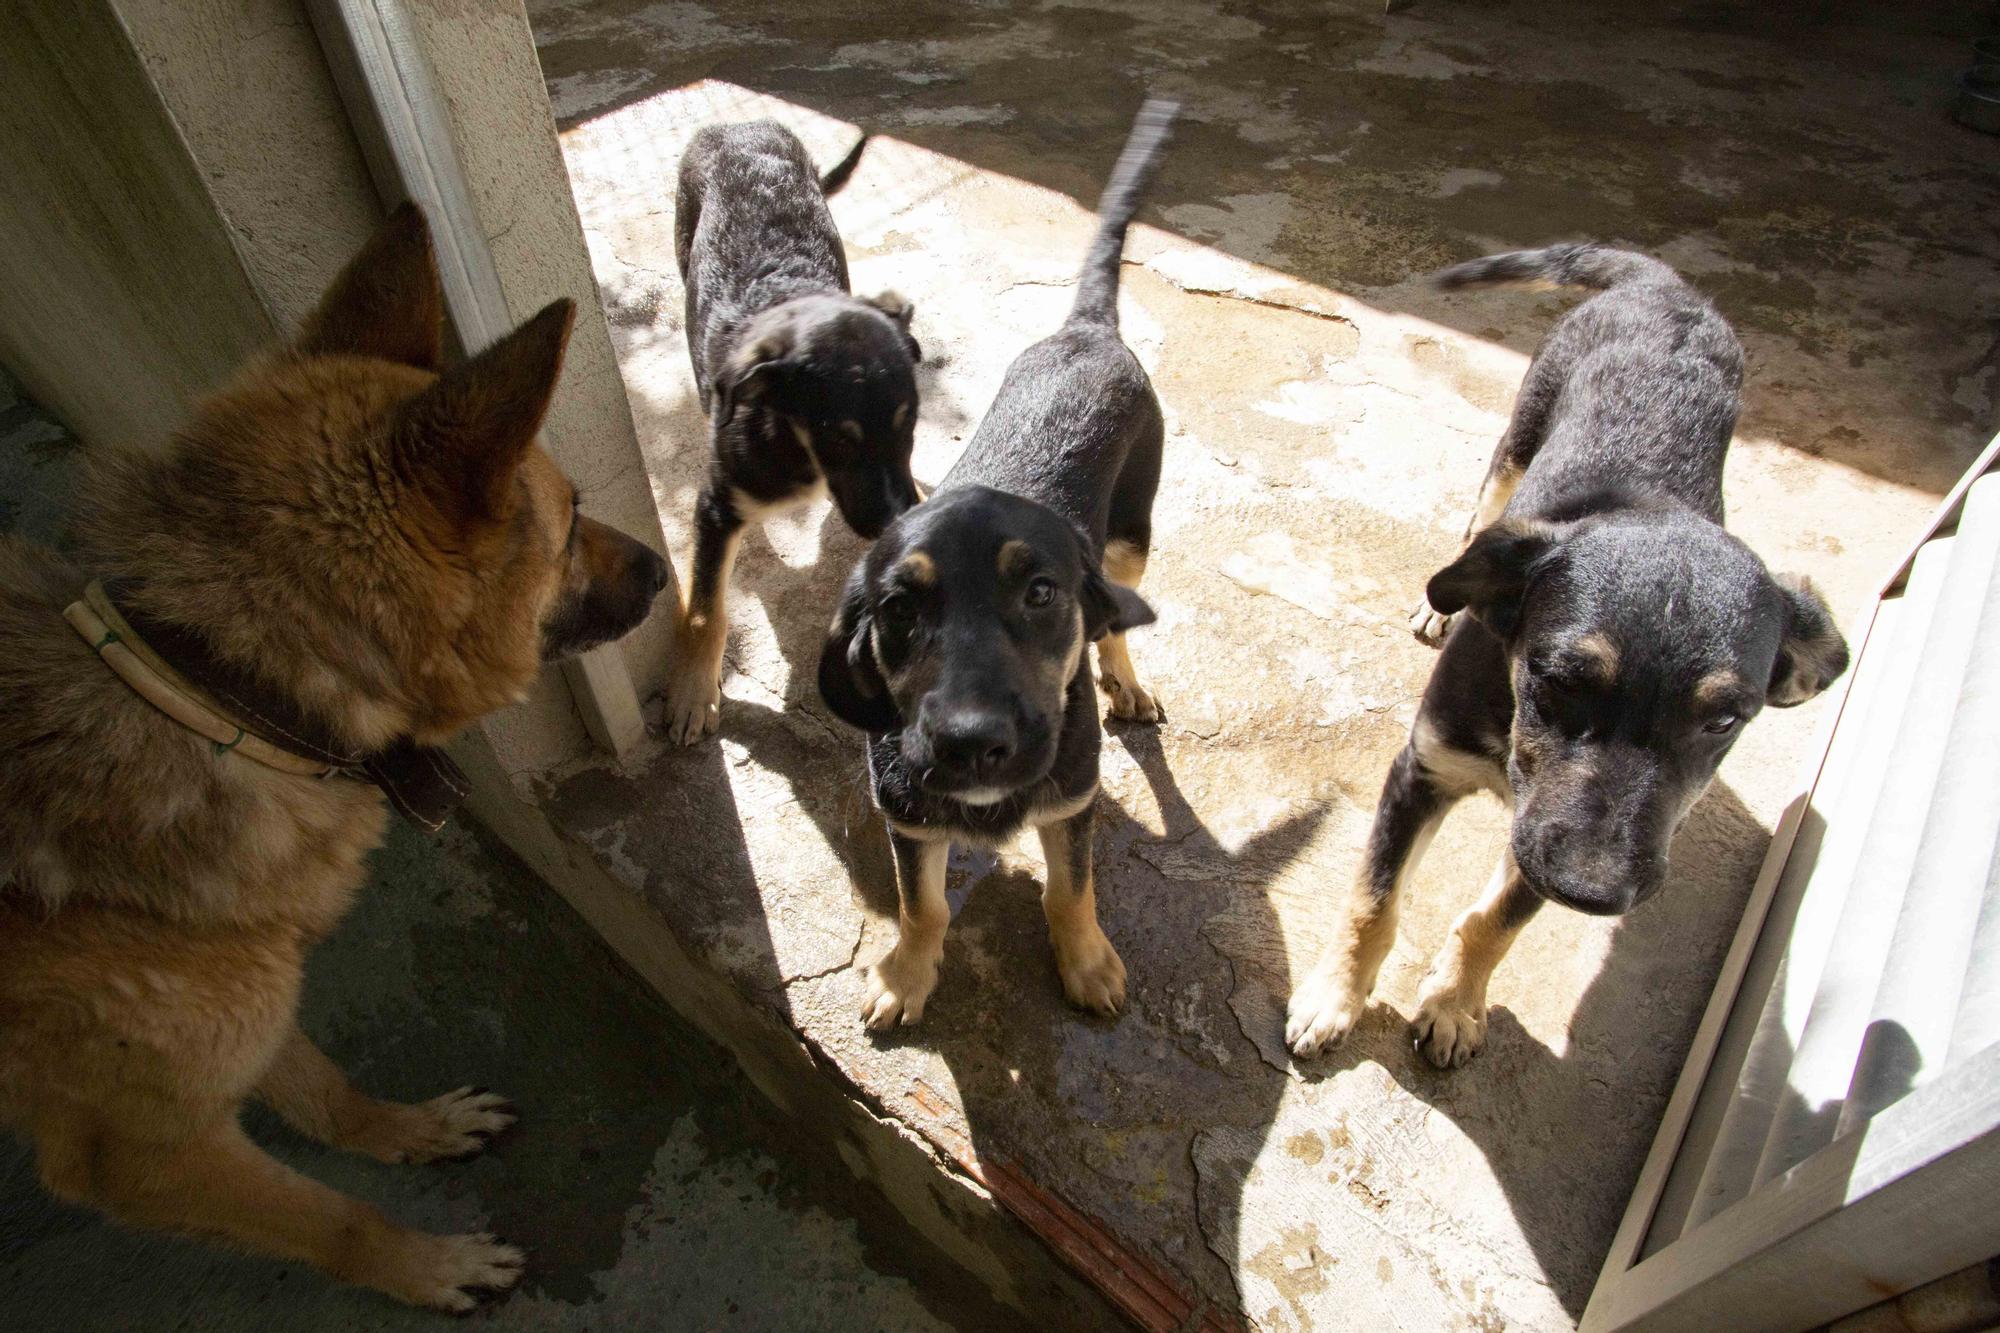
960	642
1608	641
809	389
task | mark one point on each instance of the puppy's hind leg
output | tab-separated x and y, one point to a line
1093	976
1124	564
901	982
314	1097
694	693
1325	1007
216	1183
1450	1026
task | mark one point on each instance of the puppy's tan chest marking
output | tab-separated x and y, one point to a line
1458	772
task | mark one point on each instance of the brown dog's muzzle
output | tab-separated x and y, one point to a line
619	579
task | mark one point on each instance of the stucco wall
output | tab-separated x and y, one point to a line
121	296
484	57
249	90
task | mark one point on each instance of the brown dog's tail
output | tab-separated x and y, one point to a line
1097	288
837	174
1576	265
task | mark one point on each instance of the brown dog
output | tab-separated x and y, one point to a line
365	555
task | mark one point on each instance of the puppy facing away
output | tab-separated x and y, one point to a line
1616	641
808	388
959	645
345	556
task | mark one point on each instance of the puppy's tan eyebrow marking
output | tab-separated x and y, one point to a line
1599	654
1718	687
1015	556
918	568
902	415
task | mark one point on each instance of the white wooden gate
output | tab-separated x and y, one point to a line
1834	1139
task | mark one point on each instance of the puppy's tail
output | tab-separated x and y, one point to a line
1577	265
837	174
1097	288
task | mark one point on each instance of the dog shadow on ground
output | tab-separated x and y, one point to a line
1565	1129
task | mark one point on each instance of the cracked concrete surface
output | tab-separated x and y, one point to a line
1329	419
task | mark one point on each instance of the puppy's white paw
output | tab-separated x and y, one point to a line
1428	624
898	987
1132	702
1093	975
1323	1010
693	706
1450	1027
452	1273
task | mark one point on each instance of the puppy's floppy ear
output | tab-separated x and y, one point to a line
1812	653
464	437
386	303
1110	608
849	679
1491	575
898	308
749	370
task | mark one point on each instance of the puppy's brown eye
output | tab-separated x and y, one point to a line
1721	726
898	608
1041	592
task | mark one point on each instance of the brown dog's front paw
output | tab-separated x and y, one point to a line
898	987
451	1273
1322	1011
1093	975
457	1125
1450	1027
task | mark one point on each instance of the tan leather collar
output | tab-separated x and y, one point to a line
172	668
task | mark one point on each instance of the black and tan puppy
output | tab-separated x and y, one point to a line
809	389
960	640
1616	643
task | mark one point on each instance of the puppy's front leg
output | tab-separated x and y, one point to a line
900	983
1451	1005
314	1097
694	694
1326	1005
1093	976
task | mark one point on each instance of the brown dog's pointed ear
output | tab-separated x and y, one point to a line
465	436
850	679
386	303
1812	653
1492	573
898	308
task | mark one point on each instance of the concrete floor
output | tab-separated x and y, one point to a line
1329	420
651	1185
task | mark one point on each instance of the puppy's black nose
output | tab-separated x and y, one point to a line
972	743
